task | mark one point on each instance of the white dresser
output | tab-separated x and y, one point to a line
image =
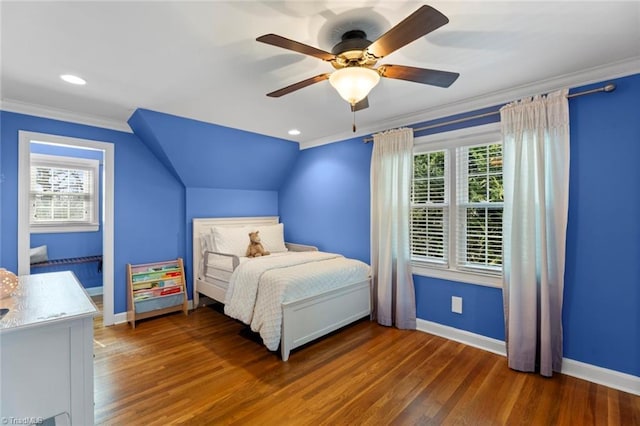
46	351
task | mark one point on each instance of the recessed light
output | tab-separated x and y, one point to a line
294	132
73	79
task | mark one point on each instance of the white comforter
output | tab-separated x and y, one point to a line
259	286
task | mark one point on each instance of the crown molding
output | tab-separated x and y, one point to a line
63	115
593	75
613	70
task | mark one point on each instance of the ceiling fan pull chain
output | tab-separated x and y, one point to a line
354	120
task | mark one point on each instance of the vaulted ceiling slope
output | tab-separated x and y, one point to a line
204	155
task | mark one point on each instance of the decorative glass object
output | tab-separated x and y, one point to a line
8	283
354	83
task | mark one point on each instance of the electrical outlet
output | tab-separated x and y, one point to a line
456	304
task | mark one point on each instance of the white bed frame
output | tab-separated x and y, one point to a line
303	320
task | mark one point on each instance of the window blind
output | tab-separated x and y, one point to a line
480	199
63	191
430	207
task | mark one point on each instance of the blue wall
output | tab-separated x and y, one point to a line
325	201
149	201
602	281
602	297
205	155
2	185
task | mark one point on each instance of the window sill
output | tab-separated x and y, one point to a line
419	268
63	229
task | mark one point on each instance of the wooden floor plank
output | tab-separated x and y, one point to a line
206	368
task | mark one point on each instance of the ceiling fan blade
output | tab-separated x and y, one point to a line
419	23
299	85
360	105
285	43
419	75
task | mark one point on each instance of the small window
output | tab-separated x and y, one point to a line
63	194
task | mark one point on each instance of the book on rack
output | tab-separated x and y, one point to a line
159	275
170	290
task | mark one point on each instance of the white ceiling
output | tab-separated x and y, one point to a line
200	59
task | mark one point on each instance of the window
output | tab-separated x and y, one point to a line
480	203
63	194
430	207
456	205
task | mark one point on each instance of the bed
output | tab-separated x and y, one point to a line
291	297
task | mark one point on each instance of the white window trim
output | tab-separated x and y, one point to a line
70	162
446	140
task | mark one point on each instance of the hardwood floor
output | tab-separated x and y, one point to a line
206	369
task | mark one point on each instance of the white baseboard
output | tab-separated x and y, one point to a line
462	336
602	376
121	317
94	291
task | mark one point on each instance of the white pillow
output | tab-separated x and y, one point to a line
272	237
206	242
38	254
231	239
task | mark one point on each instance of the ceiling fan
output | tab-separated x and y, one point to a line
354	58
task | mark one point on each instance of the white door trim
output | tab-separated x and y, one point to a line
24	154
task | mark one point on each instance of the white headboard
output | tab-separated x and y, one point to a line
204	225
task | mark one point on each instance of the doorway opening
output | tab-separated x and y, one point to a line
31	143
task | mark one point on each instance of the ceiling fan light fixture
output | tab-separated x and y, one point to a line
354	83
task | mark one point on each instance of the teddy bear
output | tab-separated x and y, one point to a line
255	248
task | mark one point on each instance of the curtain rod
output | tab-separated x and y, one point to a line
606	88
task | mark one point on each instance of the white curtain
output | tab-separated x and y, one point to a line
536	196
391	173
